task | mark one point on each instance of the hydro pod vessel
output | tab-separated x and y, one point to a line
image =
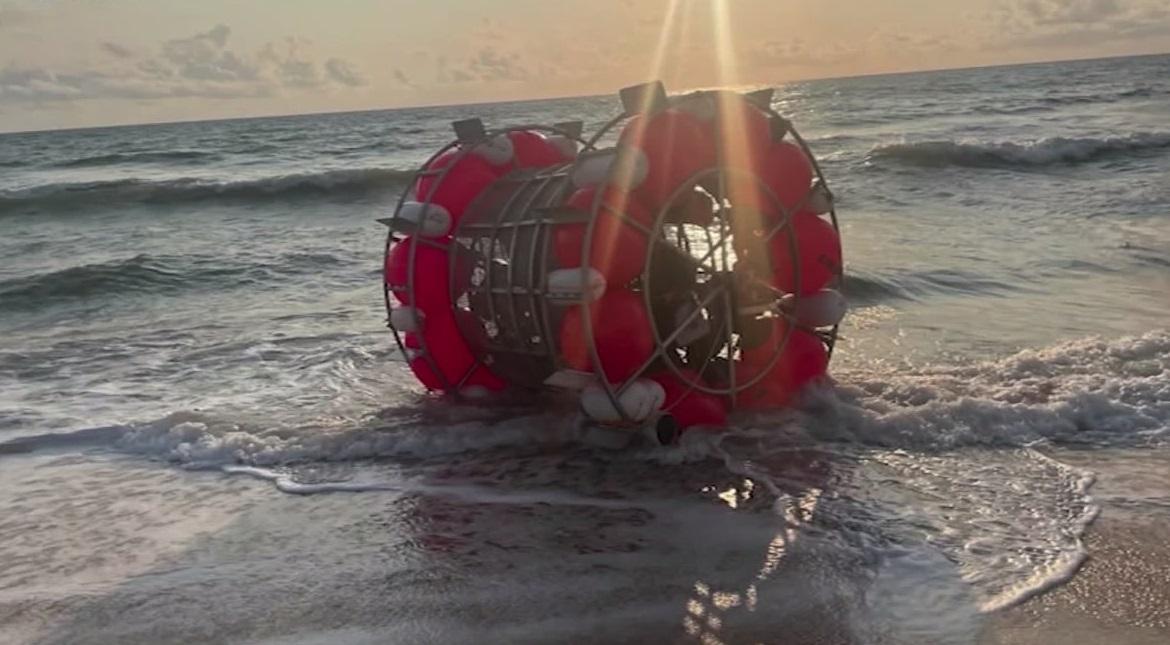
681	263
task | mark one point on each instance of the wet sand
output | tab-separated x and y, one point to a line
1121	595
631	553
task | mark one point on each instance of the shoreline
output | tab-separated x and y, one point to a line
1121	594
628	554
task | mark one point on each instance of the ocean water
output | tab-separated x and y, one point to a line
206	434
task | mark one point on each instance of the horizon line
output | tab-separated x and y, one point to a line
538	99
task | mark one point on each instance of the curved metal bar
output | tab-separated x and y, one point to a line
452	247
831	343
609	125
692	181
724	224
586	309
534	194
420	334
587	313
492	240
660	349
539	244
538	250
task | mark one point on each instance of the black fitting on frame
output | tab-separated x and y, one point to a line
761	98
469	131
571	129
643	98
779	127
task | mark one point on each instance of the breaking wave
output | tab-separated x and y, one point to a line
1032	154
1086	390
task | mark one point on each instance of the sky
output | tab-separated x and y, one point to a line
77	63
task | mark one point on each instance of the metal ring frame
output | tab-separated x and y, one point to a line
556	179
394	235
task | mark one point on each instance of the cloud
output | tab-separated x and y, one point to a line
116	50
490	65
37	85
1076	12
342	72
201	65
401	77
204	57
11	16
1076	23
489	30
291	67
444	73
797	52
1048	25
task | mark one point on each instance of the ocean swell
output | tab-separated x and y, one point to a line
1050	151
118	158
867	287
333	184
147	274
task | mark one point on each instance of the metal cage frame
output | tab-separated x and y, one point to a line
647	99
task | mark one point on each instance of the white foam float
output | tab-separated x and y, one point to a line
428	220
820	200
641	399
497	150
408	319
822	309
597	168
575	285
564	145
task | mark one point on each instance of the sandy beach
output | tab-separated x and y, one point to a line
1122	593
607	566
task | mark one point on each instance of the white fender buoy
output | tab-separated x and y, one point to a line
497	151
822	309
428	220
595	168
641	399
564	145
408	320
576	284
820	200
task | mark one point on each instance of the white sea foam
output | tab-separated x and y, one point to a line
1087	389
1070	552
1082	390
201	440
944	464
